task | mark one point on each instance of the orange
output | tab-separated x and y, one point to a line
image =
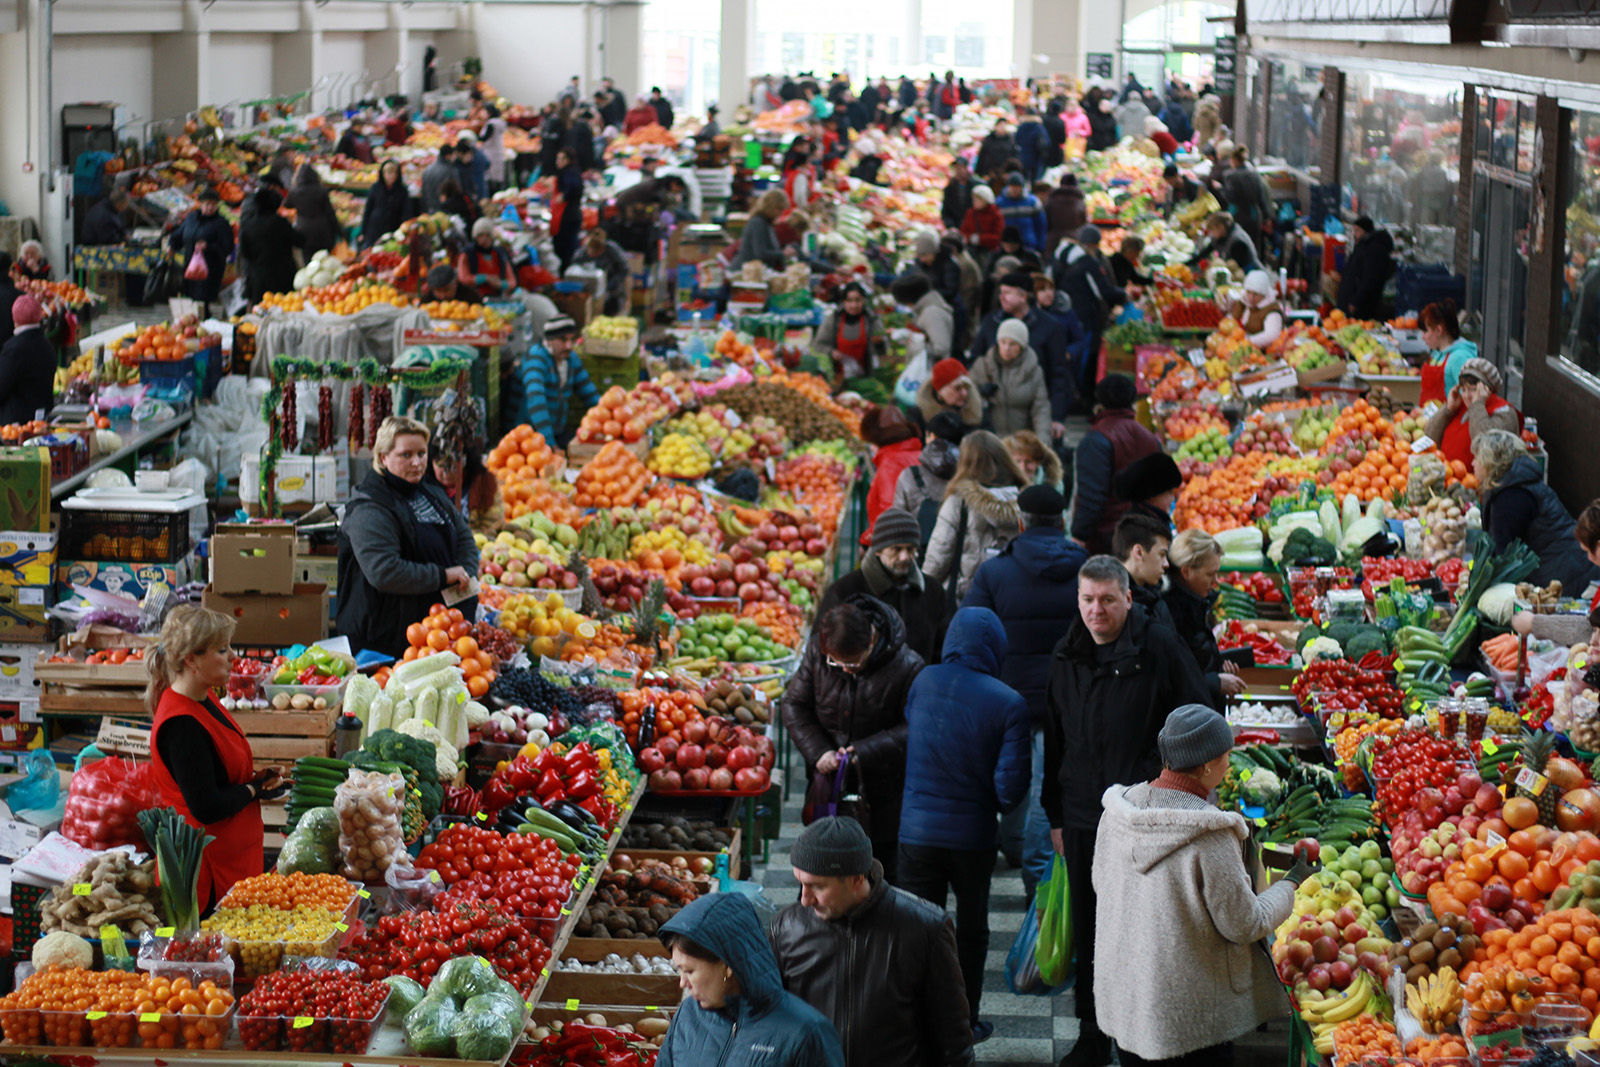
438	640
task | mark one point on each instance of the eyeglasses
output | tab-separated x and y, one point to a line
848	668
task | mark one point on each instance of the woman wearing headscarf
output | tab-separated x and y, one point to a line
388	204
1258	310
984	223
485	265
205	231
849	333
314	216
1176	906
32	264
1519	506
1473	408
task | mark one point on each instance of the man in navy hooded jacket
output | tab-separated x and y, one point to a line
1032	585
966	762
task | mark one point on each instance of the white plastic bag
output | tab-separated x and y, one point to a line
917	370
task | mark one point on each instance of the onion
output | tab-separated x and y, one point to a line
1579	809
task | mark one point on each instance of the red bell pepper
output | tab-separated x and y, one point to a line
497	794
550	787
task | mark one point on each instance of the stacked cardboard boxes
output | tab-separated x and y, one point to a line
253	580
29	552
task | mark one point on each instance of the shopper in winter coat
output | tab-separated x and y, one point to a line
1196	559
897	443
268	240
1114	441
1102	125
979	515
1012	385
1079	271
569	193
759	242
9	294
1207	120
1033	144
1022	210
104	224
388	205
28	364
848	696
984	222
640	115
1226	240
949	389
1368	265
953	793
1246	196
314	216
957	194
1150	486
929	313
878	961
1046	336
1053	304
1131	115
208	232
1037	461
598	252
553	378
921	487
1113	680
401	545
889	571
353	144
996	150
1176	898
441	168
1066	213
1141	544
1033	586
736	1011
1518	505
1124	263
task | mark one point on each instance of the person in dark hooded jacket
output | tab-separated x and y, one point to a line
997	149
1114	442
1032	586
314	216
1066	212
207	232
388	204
849	696
889	571
736	1011
268	241
954	792
1367	267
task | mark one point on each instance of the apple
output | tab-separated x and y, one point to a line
1308	849
1325	949
746	572
1318	977
1487	798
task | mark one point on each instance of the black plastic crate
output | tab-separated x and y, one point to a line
124	536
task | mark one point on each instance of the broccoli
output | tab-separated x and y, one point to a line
416	753
1342	630
1263	789
1363	640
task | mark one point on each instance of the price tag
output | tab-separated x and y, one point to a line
150	1017
93	1015
166	931
528	1004
544	972
651	1007
417	792
1532	781
82	889
302	1021
572	1003
341	927
433	876
1197	356
363	894
1489	747
1424	443
1496	844
566	911
481	817
428	724
1244	776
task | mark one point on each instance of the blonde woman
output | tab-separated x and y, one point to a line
1196	560
979	515
1038	462
759	242
203	764
1518	506
402	544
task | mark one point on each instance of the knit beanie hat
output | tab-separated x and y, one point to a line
1116	391
946	371
26	311
1013	330
1193	735
1018	279
1476	367
1089	236
835	847
983	194
896	526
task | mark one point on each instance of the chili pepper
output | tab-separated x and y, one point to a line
1245	737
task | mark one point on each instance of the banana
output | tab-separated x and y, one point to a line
1356	998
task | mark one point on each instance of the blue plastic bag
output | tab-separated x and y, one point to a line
1022	962
40	790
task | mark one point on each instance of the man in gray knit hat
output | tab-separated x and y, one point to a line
889	571
879	962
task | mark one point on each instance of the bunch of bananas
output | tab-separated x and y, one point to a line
1436	1001
1323	1013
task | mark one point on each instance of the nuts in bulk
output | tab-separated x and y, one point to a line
370	805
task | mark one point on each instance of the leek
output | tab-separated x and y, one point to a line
178	847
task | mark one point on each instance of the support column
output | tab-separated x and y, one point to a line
386	53
180	57
297	56
911	50
1022	26
1469	152
1330	134
1057	43
22	81
623	47
737	35
1100	31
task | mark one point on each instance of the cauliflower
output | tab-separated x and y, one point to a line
68	950
1263	788
445	758
1321	648
477	714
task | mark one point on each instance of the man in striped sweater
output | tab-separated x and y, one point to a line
552	377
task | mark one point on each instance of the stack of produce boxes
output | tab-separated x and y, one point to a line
29	545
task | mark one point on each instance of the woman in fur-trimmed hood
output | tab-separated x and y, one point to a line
979	515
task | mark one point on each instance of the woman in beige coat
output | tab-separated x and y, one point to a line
1011	384
1175	905
979	515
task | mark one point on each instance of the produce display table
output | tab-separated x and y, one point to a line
136	438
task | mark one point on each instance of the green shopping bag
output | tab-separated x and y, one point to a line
1053	953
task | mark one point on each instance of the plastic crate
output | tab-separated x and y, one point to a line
124	536
25	915
168	370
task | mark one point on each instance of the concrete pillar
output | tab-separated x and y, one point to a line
1469	152
911	44
387	50
22	81
296	57
1022	19
1055	42
1100	30
183	82
736	40
623	46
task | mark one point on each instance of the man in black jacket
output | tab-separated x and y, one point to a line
1113	680
1141	543
662	106
879	962
957	194
27	365
104	225
1367	266
889	572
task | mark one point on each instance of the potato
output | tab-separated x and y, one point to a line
650	1026
300	702
281	702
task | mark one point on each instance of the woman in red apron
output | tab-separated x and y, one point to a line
1441	332
848	334
1474	407
202	760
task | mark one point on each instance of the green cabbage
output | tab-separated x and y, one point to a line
431	1025
1498	603
406	994
464	977
486	1034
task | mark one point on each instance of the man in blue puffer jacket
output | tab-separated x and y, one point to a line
736	1012
966	762
1032	585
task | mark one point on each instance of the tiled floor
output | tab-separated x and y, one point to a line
1028	1031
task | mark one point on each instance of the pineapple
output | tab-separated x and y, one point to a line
646	617
591	604
1538	748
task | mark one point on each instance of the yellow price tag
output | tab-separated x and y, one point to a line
166	931
341	927
363	894
82	889
150	1017
93	1015
302	1021
566	911
572	1003
651	1007
1489	747
433	876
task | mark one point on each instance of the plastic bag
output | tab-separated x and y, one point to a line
410	889
104	801
39	790
917	370
1022	965
1054	950
430	1026
370	804
197	271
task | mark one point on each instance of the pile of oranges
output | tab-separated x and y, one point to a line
524	449
154	342
451	309
446	629
1443	1047
344	297
1212	501
540	494
816	481
613	418
615	477
1366	1035
674	709
779	616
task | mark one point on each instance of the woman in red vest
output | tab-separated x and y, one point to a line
1473	407
203	764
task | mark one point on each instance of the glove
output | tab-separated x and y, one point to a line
1301	871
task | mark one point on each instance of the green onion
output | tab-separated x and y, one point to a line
178	847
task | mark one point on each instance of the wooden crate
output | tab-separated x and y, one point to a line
579	453
60	699
668	855
644	990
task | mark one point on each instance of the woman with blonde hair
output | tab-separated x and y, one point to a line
979	515
1196	559
1038	462
759	242
1519	506
402	546
203	764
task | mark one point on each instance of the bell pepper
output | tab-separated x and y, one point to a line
497	794
582	785
581	758
521	774
550	787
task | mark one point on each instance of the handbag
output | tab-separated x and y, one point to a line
164	280
829	794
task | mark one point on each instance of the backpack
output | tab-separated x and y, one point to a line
927	512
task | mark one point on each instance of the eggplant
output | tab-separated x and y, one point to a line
574	816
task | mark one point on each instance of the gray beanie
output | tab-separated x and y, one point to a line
896	526
1089	235
832	847
1193	735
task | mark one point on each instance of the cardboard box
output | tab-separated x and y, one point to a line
579	307
21	830
25	489
124	579
16	671
16	735
28	557
253	558
274	620
22	612
124	737
318	570
299	480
